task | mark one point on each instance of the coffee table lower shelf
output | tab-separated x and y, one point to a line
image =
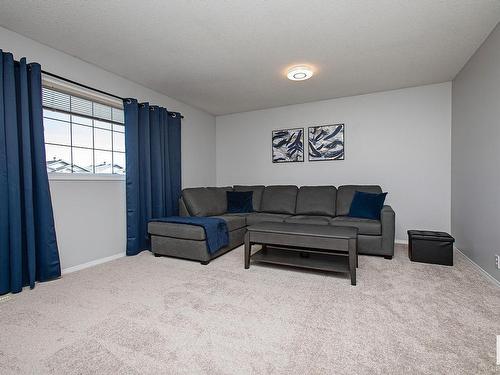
321	262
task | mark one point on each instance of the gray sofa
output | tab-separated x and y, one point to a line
321	205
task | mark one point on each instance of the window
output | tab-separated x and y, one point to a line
82	135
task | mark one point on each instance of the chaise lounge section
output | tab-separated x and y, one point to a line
318	205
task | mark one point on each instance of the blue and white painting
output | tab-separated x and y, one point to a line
288	145
326	142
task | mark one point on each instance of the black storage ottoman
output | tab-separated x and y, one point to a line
430	247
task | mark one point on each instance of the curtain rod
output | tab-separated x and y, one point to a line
90	88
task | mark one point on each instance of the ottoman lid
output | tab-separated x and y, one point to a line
430	236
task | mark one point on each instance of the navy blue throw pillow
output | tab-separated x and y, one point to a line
239	201
367	205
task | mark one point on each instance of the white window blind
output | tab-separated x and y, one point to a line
82	135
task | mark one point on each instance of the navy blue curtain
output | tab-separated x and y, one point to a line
28	246
153	159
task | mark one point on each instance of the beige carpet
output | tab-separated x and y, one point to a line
146	315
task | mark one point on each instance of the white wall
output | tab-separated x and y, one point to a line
90	219
90	215
399	139
475	169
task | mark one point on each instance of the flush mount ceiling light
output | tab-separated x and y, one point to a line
299	73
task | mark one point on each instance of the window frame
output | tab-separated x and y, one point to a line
87	94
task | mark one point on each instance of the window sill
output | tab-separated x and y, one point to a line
85	177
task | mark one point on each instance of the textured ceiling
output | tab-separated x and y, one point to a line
230	56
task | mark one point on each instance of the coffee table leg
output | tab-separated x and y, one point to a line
247	250
357	254
353	255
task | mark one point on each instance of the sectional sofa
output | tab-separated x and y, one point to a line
319	205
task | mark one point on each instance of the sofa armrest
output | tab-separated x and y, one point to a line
387	210
388	222
183	211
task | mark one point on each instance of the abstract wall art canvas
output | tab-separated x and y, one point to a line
326	142
288	145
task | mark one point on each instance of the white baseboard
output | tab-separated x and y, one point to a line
479	268
6	297
476	266
92	263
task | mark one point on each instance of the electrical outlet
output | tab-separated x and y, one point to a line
497	261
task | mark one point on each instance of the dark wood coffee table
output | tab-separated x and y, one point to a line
319	247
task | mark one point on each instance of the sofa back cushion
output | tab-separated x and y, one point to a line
345	194
257	194
316	200
279	199
207	201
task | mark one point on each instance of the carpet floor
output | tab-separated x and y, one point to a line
147	315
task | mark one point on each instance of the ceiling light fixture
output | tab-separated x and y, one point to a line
299	73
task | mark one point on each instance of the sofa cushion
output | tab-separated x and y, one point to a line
257	194
206	201
258	217
241	214
345	194
197	201
220	197
279	199
192	232
365	226
309	219
316	200
233	221
175	230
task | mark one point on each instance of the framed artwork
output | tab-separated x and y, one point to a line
288	145
326	142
